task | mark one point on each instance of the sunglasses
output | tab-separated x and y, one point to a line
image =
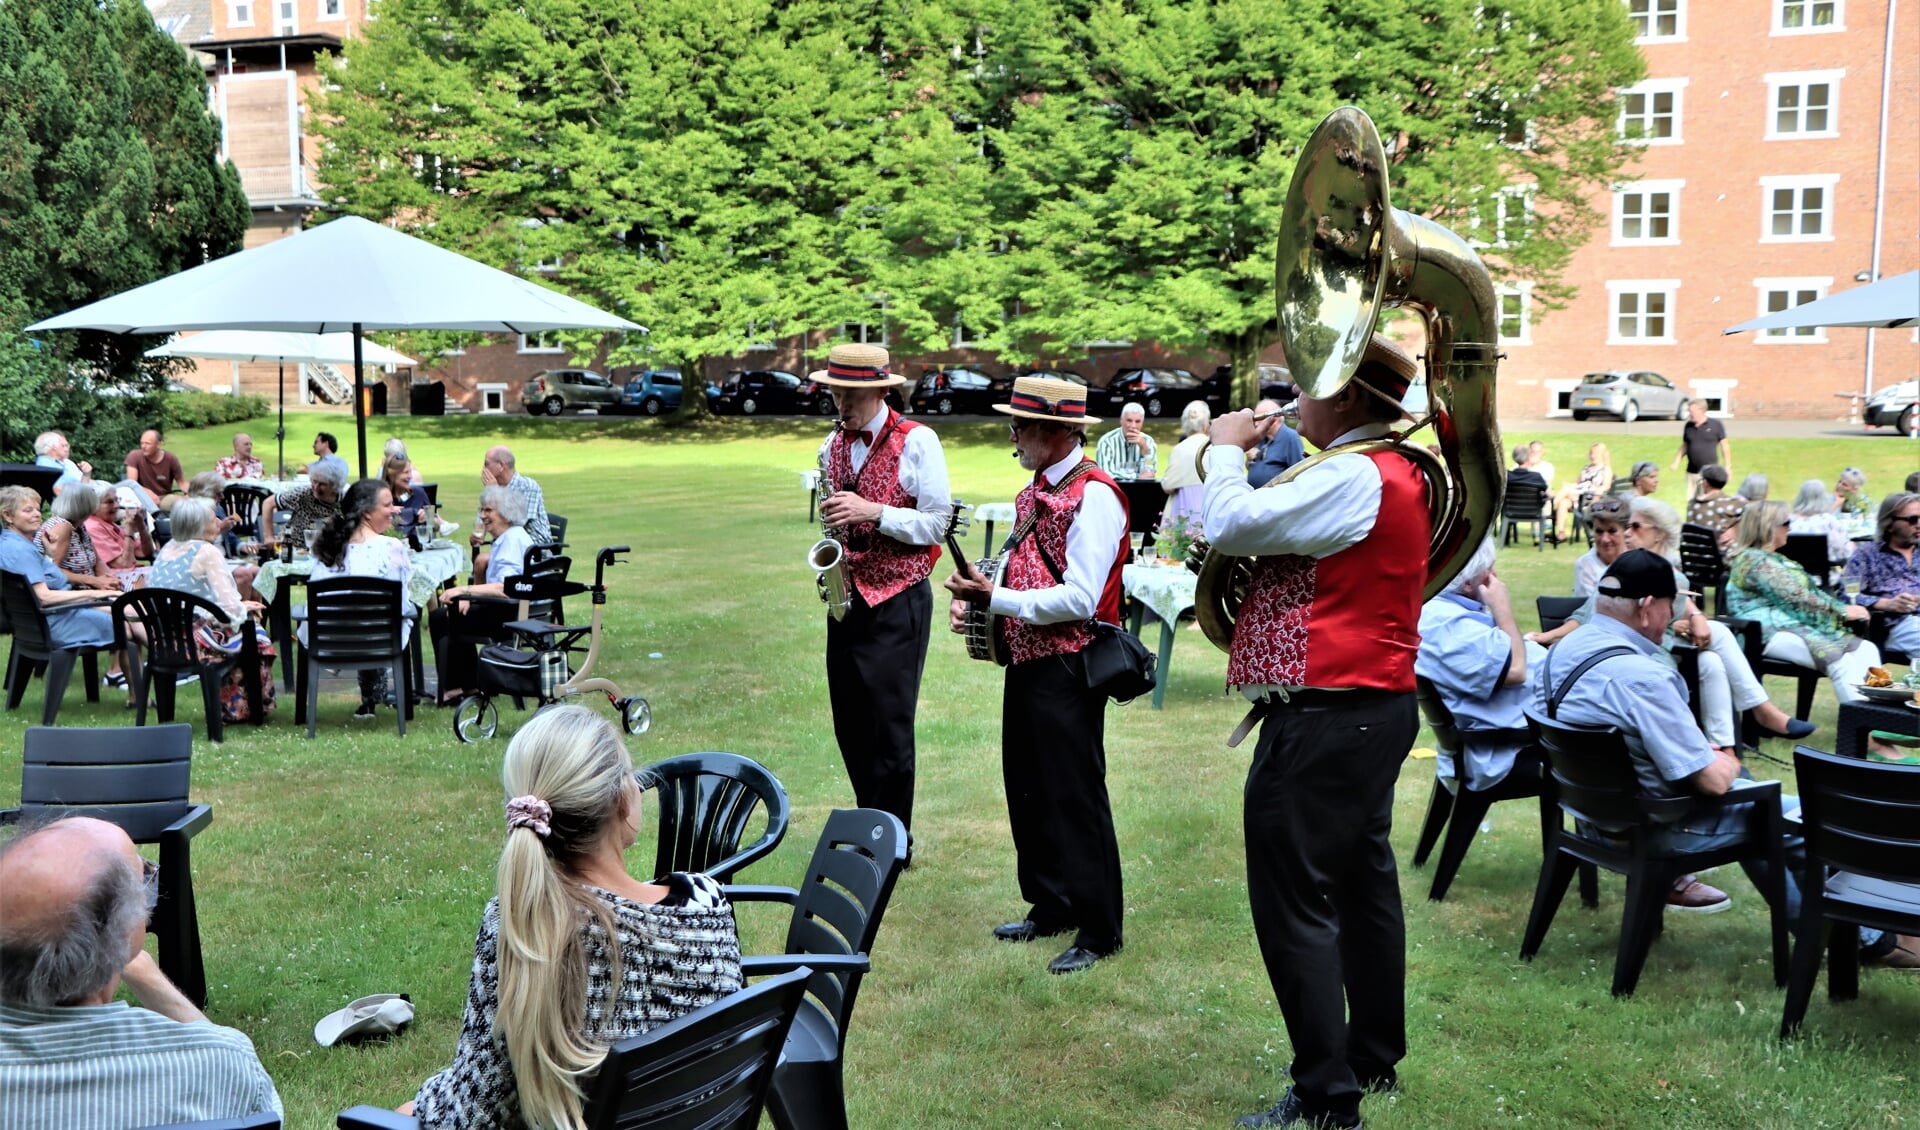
150	879
1905	518
1015	427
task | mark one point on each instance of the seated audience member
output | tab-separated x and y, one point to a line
1848	495
241	464
208	485
497	469
76	617
1646	478
306	506
1472	652
50	449
1804	624
1537	462
120	536
1814	513
1754	487
75	896
1280	445
1727	682
1887	573
325	448
1913	483
398	475
1522	475
353	543
1646	700
63	539
1711	506
1182	480
1128	452
1596	478
397	449
574	953
154	471
193	563
503	514
1607	516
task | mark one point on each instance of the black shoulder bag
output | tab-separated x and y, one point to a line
1118	664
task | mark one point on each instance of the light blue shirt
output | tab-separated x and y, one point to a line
508	556
1466	657
69	471
333	461
1640	694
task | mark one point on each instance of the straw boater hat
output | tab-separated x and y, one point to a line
1047	398
857	366
1386	368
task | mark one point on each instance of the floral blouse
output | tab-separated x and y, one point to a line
1768	588
376	557
80	557
197	567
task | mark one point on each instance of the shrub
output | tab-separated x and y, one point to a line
208	409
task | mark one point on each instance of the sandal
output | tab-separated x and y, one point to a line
114	679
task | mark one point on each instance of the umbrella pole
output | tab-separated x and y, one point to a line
280	432
359	404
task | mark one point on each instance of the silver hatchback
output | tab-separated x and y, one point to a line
1628	395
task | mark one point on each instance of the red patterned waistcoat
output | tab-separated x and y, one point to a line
886	567
1027	570
1350	619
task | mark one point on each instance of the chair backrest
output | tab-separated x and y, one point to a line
1433	708
706	801
242	501
23	613
33	475
848	882
167	617
1860	816
135	777
1554	610
433	493
264	1121
1593	773
1622	486
1701	560
1810	550
1521	501
707	1070
557	523
542	584
353	619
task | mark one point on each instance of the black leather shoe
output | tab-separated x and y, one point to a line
1290	1111
1796	729
1024	930
1075	958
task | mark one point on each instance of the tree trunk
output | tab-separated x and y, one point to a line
1243	353
693	395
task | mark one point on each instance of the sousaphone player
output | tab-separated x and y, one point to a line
887	478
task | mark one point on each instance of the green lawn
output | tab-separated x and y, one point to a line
358	863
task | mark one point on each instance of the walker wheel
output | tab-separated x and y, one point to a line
636	715
475	719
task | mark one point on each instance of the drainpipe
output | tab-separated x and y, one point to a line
1880	172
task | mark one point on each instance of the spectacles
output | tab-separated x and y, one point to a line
1636	526
1015	427
150	878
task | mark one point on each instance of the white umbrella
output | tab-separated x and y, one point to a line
1888	304
350	274
266	345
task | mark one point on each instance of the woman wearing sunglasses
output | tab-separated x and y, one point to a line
1804	624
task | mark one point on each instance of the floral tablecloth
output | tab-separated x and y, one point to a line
1166	590
431	568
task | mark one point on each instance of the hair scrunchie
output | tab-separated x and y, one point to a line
529	812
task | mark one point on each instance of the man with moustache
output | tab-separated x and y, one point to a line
1068	544
888	481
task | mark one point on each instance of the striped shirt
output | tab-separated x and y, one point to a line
537	527
115	1067
1123	460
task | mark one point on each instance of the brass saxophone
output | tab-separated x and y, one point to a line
828	557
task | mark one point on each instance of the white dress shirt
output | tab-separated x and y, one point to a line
1093	541
923	474
1321	511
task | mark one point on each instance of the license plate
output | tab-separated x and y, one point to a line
1589	403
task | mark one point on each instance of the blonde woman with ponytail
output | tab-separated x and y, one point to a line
573	953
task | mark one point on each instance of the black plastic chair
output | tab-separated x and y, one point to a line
1555	610
243	501
1594	780
706	801
1457	810
353	623
265	1121
557	525
1622	487
709	1070
1753	643
167	616
433	493
1862	822
33	649
1523	505
138	779
1810	552
836	914
1582	527
1704	564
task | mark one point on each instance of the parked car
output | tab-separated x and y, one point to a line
1628	395
1163	392
553	391
756	392
943	392
1276	383
649	391
1896	406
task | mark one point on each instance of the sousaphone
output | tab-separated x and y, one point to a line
1345	255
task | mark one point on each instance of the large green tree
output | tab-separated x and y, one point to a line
109	169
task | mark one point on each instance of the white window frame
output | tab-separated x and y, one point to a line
961	334
1646	190
1765	288
548	266
1780	13
1503	215
289	25
1651	88
762	337
1616	288
1653	16
497	393
537	343
1801	80
1827	182
864	332
236	10
339	9
1524	292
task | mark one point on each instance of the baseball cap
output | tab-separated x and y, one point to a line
1640	573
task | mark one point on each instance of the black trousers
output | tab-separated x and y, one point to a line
874	659
1323	887
456	654
1053	757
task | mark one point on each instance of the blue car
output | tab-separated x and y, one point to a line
650	391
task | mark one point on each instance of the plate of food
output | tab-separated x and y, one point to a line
440	543
1881	686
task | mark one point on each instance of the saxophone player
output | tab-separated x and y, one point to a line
1324	648
887	497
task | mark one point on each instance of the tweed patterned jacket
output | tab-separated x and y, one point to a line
677	955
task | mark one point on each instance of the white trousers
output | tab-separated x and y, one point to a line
1728	686
1845	673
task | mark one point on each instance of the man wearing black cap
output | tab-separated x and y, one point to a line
1647	701
1324	647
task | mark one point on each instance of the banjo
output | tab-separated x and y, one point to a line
985	630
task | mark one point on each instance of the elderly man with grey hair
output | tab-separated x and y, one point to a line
51	449
74	900
461	618
1127	452
306	507
497	469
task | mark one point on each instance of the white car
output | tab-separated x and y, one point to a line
1628	395
1896	406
